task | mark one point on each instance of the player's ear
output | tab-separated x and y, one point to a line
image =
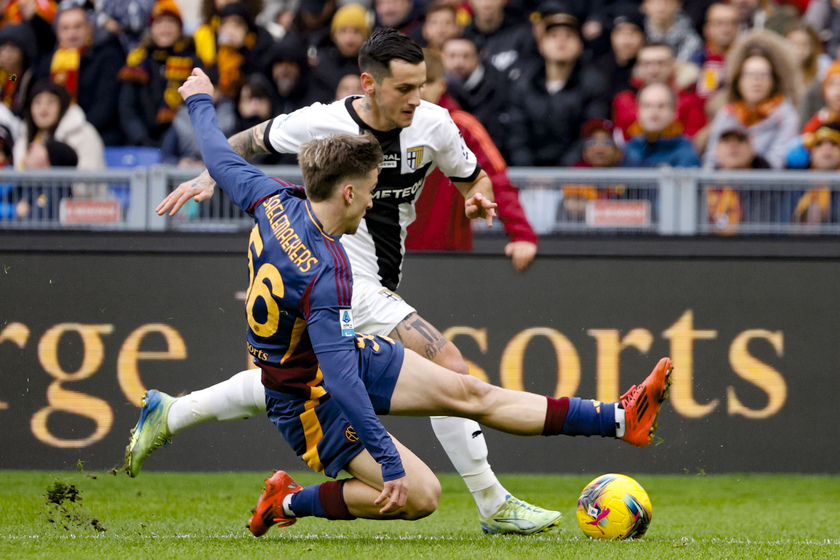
348	193
368	83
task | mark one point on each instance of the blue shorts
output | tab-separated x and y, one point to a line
317	429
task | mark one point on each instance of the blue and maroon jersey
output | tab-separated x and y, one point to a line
300	321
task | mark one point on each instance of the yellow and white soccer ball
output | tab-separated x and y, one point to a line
614	506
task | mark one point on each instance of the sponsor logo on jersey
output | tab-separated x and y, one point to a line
408	192
346	320
391	161
414	157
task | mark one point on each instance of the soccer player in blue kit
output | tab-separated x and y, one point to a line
325	383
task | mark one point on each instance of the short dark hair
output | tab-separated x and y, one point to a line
383	46
327	161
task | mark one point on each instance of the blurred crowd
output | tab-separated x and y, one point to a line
742	84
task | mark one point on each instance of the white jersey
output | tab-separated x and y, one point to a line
378	247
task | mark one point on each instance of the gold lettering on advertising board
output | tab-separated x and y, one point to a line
610	344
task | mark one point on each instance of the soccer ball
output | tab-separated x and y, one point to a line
614	506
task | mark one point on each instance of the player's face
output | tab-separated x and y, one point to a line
399	94
362	200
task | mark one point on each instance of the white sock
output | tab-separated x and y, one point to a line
464	443
237	398
287	506
620	422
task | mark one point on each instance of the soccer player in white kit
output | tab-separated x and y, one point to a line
415	137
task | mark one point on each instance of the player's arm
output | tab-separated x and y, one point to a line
478	198
339	363
248	143
244	183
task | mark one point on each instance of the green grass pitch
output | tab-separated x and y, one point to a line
186	516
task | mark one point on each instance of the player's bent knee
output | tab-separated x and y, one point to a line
423	501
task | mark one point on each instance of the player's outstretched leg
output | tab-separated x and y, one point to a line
463	441
163	416
424	388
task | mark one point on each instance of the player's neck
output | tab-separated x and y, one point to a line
331	215
370	114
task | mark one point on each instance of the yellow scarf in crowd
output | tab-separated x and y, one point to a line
64	70
749	116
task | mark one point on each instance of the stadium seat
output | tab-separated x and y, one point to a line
128	156
131	156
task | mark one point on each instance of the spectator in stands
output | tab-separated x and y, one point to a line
231	41
87	71
349	84
761	97
126	19
254	106
626	40
807	50
665	22
479	88
820	204
403	15
726	206
37	15
49	113
340	55
440	25
278	17
598	150
765	14
551	102
660	141
290	74
44	203
599	147
501	38
17	55
656	64
440	223
11	205
831	93
152	75
719	33
179	144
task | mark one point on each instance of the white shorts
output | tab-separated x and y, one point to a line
376	309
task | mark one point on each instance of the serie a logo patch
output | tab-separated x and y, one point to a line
346	323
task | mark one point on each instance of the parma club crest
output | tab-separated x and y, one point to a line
414	157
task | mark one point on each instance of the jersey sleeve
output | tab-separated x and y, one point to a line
245	184
336	350
285	134
453	157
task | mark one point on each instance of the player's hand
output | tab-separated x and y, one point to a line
198	189
522	254
477	206
394	495
198	82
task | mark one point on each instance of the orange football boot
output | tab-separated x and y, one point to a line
642	404
269	510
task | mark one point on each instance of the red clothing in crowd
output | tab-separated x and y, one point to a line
690	111
441	224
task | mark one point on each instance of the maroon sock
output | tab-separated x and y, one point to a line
555	415
331	495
